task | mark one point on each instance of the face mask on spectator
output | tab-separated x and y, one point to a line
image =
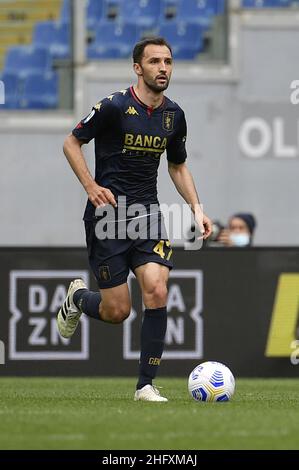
240	239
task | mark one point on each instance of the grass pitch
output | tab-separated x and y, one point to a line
56	413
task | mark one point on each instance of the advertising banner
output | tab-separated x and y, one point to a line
236	306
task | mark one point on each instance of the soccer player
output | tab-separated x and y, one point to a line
132	128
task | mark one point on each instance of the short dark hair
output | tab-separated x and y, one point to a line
141	45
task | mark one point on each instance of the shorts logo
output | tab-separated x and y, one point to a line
184	335
34	300
104	273
168	120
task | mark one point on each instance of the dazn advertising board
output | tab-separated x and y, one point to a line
236	306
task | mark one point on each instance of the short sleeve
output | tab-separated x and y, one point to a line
95	123
176	150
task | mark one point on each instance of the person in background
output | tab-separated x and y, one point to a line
239	232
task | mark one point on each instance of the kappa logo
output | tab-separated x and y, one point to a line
34	299
132	111
184	335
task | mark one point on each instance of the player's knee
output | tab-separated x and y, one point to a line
116	313
156	295
160	295
119	316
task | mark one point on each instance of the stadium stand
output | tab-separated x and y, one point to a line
201	13
27	60
143	13
36	91
113	40
186	38
66	11
35	37
94	12
40	91
55	36
177	20
17	20
11	82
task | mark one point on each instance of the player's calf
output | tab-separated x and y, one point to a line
110	307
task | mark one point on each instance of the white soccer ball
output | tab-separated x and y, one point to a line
211	381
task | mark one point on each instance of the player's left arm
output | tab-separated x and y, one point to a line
184	184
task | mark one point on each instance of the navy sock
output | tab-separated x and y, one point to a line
152	344
88	302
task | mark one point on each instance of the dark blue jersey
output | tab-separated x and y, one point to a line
130	138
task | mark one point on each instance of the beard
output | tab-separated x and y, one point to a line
154	86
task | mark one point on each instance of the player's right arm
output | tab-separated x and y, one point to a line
98	195
87	129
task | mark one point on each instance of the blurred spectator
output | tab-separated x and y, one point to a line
239	232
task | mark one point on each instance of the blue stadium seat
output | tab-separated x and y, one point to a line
40	91
144	13
200	11
94	13
65	13
113	40
54	36
12	89
221	7
26	60
185	38
169	9
193	8
111	9
184	53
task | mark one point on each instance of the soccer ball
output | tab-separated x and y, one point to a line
211	381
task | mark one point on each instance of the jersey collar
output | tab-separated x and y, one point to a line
149	109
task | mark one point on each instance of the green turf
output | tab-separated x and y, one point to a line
100	414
